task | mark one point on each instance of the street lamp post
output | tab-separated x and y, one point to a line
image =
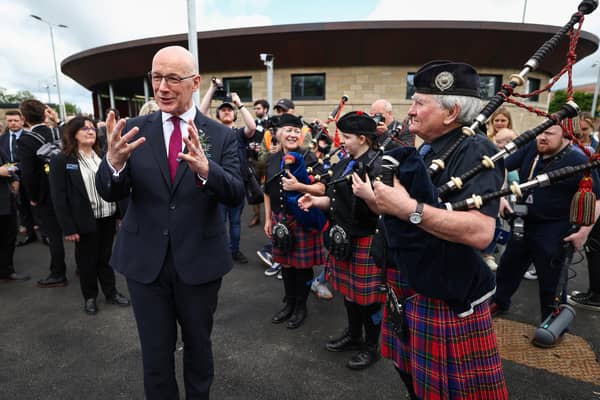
267	60
61	105
595	101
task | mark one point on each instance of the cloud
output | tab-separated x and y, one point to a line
26	54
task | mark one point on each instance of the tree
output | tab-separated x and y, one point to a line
584	100
15	98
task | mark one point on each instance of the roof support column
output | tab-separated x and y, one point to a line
111	95
146	91
99	102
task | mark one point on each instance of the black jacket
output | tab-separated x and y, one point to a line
69	197
7	198
33	174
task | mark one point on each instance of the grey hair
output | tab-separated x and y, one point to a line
469	107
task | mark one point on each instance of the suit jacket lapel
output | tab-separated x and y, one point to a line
156	140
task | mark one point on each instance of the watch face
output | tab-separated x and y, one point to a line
415	218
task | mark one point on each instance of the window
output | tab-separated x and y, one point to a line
489	85
308	87
410	86
242	86
533	84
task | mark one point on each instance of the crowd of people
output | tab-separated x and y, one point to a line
420	283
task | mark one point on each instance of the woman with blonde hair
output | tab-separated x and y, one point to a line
500	119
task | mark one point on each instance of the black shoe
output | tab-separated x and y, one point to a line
496	310
238	256
298	317
29	238
90	307
344	343
53	281
118	300
285	313
364	359
15	277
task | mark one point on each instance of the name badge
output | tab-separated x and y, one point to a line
72	167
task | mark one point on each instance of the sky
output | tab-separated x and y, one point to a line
26	52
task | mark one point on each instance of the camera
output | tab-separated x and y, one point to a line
266	58
220	93
518	221
378	118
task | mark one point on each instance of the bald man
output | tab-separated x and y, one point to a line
389	126
177	166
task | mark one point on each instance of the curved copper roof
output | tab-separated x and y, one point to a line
484	44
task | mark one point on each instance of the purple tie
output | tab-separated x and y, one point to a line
174	147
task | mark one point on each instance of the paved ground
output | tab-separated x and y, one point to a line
49	349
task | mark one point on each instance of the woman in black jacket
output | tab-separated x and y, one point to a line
85	218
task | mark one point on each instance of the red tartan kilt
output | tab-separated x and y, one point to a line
448	357
308	246
358	279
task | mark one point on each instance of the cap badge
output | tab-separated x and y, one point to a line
444	80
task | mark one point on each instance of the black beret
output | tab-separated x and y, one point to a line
447	78
358	123
287	120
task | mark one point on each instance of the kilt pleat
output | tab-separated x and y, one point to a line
308	248
358	279
448	357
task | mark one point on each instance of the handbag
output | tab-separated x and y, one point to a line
254	193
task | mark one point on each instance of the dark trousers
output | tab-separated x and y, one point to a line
234	214
592	251
92	253
25	214
547	257
8	235
158	307
50	226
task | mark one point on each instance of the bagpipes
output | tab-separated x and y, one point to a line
585	7
426	260
293	163
564	117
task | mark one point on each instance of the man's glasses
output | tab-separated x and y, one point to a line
172	80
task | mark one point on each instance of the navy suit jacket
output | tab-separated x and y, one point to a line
183	215
5	143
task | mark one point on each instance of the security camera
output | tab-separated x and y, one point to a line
265	57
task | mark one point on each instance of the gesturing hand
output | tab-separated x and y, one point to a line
305	202
195	157
119	148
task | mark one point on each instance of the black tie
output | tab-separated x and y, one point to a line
13	147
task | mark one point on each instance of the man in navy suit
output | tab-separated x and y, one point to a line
9	143
172	246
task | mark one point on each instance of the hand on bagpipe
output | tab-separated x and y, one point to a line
294	172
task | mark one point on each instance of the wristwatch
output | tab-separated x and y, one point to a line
417	216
